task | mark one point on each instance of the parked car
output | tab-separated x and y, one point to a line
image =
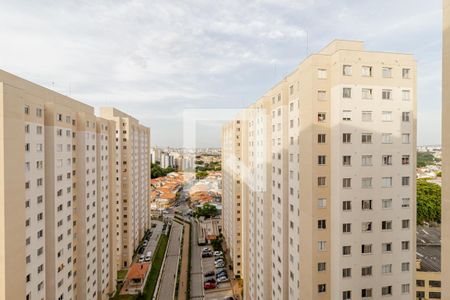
141	258
210	280
218	253
209	285
205	249
220	264
220	270
145	243
210	273
220	274
206	254
217	259
222	279
148	256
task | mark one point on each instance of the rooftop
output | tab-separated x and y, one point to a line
429	248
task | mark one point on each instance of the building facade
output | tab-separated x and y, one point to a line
446	151
59	194
328	179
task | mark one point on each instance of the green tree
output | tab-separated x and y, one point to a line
201	174
428	202
207	211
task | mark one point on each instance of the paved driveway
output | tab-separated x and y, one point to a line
196	266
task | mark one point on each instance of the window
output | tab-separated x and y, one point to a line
321	160
366	271
346	205
346	92
322	288
406	95
386	203
321	181
26	109
346	183
367	94
321	138
322	73
386	138
322	245
406	73
38	112
346	115
347	272
321	267
386	269
366	160
420	283
366	226
366	182
38	129
58	117
387	160
346	250
386	290
386	116
435	283
346	295
405	159
366	293
366	116
321	117
27	128
346	160
321	95
405	138
386	182
387	72
386	94
386	225
366	204
366	71
405	202
346	228
346	138
405	288
291	90
321	203
386	247
405	224
366	138
405	116
405	267
405	181
321	224
347	70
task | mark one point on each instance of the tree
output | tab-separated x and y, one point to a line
428	202
157	171
207	211
201	174
425	159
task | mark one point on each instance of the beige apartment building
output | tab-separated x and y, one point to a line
64	186
327	179
446	152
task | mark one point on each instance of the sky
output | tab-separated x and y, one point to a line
156	59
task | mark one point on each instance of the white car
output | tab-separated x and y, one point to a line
141	258
220	264
218	253
223	279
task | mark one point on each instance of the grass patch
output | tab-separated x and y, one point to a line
121	274
157	262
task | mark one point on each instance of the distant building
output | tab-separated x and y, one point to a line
428	263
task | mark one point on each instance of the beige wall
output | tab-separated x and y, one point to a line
446	152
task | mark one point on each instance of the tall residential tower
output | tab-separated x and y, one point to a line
74	194
320	193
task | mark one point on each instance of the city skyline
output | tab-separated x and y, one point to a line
156	61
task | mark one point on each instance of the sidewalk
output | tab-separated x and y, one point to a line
183	283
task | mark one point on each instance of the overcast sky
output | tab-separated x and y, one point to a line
153	59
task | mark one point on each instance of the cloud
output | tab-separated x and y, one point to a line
155	58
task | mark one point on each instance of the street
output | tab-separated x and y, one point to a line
170	268
196	266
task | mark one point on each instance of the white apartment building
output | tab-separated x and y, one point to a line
59	200
329	187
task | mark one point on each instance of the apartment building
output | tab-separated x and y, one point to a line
132	170
59	198
446	152
232	217
327	179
